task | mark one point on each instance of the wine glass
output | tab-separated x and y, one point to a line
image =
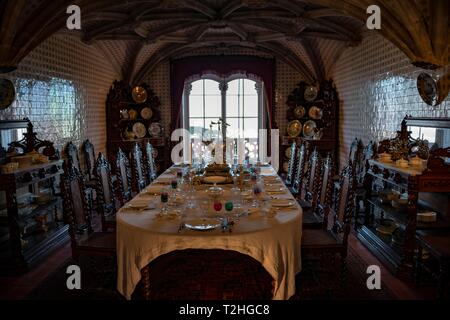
256	193
164	200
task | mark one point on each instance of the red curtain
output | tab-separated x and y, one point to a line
223	66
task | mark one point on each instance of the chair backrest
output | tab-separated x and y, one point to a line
76	211
368	153
150	162
326	182
302	155
355	157
311	174
72	155
123	174
339	220
139	181
89	158
104	187
291	163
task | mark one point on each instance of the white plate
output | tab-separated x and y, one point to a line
139	130
140	204
146	113
155	129
274	188
282	202
202	224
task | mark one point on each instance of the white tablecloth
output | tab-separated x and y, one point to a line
274	241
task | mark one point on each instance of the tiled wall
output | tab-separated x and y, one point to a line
61	87
377	87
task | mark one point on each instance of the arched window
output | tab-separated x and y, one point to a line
236	100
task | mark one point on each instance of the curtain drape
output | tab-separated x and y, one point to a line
223	66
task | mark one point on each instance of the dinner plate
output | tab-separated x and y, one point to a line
309	128
146	113
139	94
140	204
139	130
202	224
315	113
282	203
274	188
294	128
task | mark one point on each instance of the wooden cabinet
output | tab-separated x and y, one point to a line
130	122
389	226
318	109
31	213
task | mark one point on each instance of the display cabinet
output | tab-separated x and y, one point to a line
134	115
407	189
312	115
31	216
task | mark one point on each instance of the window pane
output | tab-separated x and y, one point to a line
250	106
196	128
233	87
233	106
233	129
249	87
195	106
213	106
250	127
211	87
197	87
211	131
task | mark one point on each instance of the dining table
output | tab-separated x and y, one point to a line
268	230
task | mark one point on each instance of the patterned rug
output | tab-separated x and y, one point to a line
98	282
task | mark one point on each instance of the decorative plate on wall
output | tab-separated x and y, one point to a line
428	88
310	93
133	114
286	166
139	130
315	113
309	129
7	93
146	113
299	112
287	153
139	94
294	128
155	129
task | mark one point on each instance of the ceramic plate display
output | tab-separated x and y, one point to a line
202	224
309	128
7	93
155	129
310	93
133	114
146	113
139	130
428	89
124	114
315	113
294	128
154	153
299	112
139	94
286	166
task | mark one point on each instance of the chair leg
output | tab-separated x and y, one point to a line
343	270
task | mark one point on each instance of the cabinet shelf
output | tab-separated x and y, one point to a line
41	208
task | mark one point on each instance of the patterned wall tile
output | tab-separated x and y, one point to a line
62	86
377	87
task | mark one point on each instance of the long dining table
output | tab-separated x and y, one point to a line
271	235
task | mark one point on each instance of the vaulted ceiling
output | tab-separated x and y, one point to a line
308	35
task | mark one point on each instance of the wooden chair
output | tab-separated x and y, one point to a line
150	163
89	158
310	179
106	202
314	217
123	174
333	238
138	173
301	167
84	240
291	165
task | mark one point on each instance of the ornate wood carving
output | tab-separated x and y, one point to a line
123	174
89	158
105	191
150	162
139	181
302	155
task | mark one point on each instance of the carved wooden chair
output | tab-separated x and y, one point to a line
138	172
301	168
84	240
89	158
333	238
291	165
150	163
106	202
123	174
310	179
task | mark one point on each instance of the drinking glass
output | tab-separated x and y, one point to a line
164	200
256	195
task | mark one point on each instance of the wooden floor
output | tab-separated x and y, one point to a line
18	287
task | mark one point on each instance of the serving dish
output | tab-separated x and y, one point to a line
294	128
202	224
